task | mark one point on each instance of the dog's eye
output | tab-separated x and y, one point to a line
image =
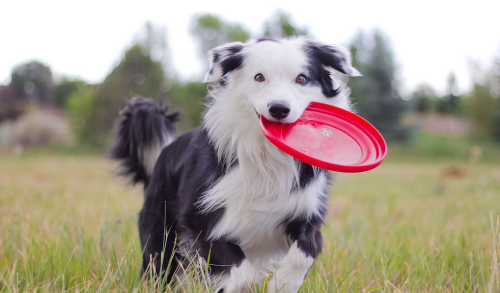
259	77
300	79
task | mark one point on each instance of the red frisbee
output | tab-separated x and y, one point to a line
329	137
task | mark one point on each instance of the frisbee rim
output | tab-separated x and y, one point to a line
378	143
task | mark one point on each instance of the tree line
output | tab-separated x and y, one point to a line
92	108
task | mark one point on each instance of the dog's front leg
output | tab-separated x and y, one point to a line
293	268
291	272
241	278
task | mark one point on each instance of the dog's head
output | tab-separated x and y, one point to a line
279	79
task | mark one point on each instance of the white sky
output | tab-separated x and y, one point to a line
86	39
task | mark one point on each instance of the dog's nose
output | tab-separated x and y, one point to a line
279	110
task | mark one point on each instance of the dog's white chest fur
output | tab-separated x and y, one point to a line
257	206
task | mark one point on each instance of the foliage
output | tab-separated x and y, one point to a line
450	103
136	74
410	227
189	99
211	31
30	83
426	100
64	89
482	104
495	94
79	107
280	26
376	95
483	110
33	82
423	98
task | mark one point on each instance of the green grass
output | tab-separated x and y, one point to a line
432	147
67	224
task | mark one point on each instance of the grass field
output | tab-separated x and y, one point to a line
66	224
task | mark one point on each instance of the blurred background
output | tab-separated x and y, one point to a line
426	220
431	72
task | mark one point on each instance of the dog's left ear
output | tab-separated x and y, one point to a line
332	57
223	60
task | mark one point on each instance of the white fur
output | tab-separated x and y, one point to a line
257	194
149	155
291	271
280	63
254	221
241	278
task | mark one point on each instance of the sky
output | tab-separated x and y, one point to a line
86	39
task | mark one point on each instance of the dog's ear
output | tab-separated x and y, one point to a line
333	57
223	60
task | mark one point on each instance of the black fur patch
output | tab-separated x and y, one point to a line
216	57
231	63
307	174
307	231
307	234
235	49
143	123
186	169
267	40
323	55
222	82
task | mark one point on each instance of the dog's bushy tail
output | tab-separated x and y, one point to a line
141	133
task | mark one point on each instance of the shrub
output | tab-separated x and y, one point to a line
38	128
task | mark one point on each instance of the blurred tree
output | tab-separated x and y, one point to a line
495	94
78	105
495	125
376	95
211	31
189	99
280	26
30	82
482	105
424	98
64	89
136	74
495	76
450	103
33	82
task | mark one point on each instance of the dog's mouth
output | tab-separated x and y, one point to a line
258	115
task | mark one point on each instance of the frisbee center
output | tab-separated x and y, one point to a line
323	142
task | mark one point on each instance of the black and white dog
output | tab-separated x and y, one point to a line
223	189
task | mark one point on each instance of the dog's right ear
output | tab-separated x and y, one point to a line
223	60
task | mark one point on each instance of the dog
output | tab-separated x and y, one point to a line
222	189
